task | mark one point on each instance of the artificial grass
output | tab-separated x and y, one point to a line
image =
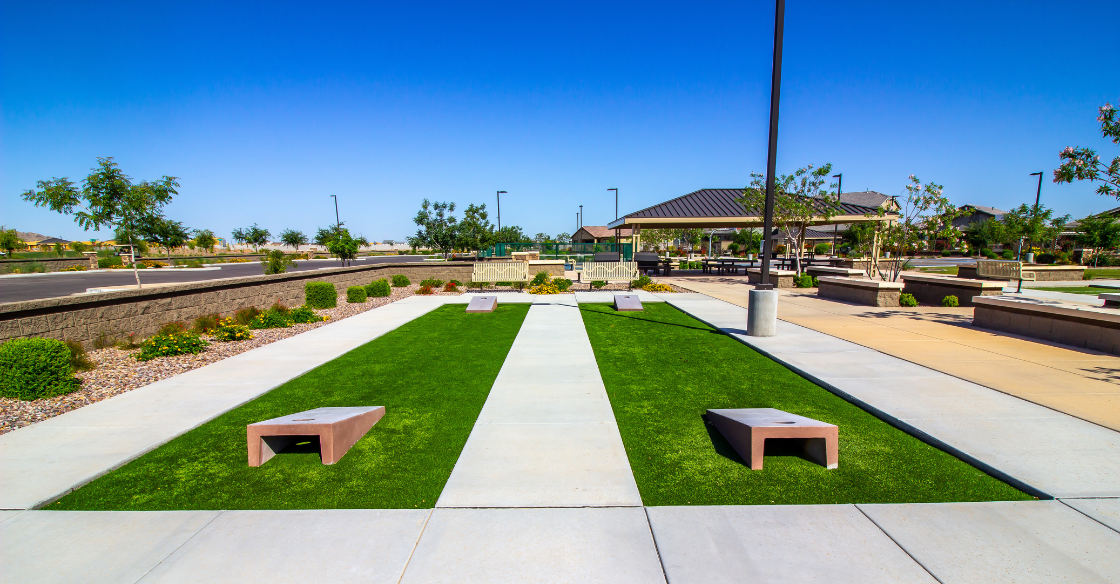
432	375
663	369
1074	289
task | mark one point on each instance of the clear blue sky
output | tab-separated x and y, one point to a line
265	110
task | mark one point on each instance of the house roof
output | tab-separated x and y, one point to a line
865	198
989	210
601	231
52	241
721	208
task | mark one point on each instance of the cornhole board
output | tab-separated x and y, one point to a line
627	302
747	430
482	304
337	429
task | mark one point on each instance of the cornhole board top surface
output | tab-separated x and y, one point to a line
747	430
337	428
482	304
627	302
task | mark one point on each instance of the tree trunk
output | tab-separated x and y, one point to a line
135	271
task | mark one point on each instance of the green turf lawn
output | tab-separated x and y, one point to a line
432	375
1104	273
1075	289
663	370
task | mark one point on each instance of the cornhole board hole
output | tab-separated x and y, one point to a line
748	429
627	302
482	304
336	428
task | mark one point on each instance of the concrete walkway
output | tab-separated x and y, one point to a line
1043	450
1079	382
42	462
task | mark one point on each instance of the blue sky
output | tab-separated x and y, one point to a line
264	110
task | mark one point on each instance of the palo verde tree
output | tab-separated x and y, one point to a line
437	227
800	200
293	238
343	245
1085	163
108	198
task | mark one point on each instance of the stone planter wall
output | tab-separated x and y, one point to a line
867	292
931	290
117	314
1085	327
779	278
51	264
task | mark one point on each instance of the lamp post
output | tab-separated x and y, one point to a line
499	195
337	223
1034	217
581	216
762	305
839	191
617	231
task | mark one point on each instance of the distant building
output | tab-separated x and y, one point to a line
977	214
599	234
870	199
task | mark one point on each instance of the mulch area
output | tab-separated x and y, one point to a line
118	371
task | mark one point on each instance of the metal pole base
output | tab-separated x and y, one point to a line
762	313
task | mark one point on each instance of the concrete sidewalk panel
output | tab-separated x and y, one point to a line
780	543
1022	541
564	410
535	545
328	545
1106	511
92	546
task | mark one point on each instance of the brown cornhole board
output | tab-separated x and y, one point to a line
337	428
748	429
627	302
482	304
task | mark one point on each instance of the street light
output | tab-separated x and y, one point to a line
839	191
1034	217
499	195
581	216
617	243
337	223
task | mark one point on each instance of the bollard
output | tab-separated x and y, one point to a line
762	313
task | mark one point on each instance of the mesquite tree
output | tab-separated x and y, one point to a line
108	198
800	200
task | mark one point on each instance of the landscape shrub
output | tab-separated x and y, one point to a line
356	294
207	323
562	284
74	269
503	283
657	287
546	288
907	300
540	278
228	330
450	287
456	282
272	319
946	253
79	359
173	328
425	291
432	283
950	301
378	288
479	285
1007	255
596	284
103	341
400	281
822	248
153	264
641	282
36	368
321	294
1046	258
128	343
170	345
519	285
275	262
304	314
109	262
246	315
805	281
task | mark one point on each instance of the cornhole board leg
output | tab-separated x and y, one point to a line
337	429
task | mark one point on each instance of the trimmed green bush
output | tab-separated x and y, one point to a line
400	281
378	289
304	314
907	300
641	282
822	248
170	345
36	369
110	261
596	284
321	295
356	294
1007	255
1046	258
950	301
805	281
432	283
540	278
562	284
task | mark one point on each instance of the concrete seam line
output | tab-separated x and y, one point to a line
179	547
416	544
1089	516
656	549
904	550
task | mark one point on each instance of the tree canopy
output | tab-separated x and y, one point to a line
1085	164
799	200
1098	232
293	238
253	235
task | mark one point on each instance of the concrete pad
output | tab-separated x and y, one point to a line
1027	541
329	545
44	461
781	543
92	546
535	545
1106	511
6	515
537	410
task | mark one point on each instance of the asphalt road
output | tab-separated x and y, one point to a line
37	286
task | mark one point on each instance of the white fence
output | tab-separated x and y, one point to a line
500	272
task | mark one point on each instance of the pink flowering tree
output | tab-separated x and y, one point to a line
1085	163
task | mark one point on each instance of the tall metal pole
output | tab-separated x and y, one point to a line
772	149
839	191
617	231
337	223
499	195
1034	217
581	216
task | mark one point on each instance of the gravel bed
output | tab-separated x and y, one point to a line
118	371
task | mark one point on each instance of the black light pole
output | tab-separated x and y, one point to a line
499	195
617	241
1034	217
581	216
839	191
337	223
772	149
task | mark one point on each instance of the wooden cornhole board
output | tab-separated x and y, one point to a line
748	429
627	302
482	304
337	428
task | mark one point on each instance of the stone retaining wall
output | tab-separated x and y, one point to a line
1090	328
931	290
1041	273
116	314
779	278
867	292
50	264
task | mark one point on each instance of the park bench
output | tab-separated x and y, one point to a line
1003	270
609	272
487	272
336	428
748	429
